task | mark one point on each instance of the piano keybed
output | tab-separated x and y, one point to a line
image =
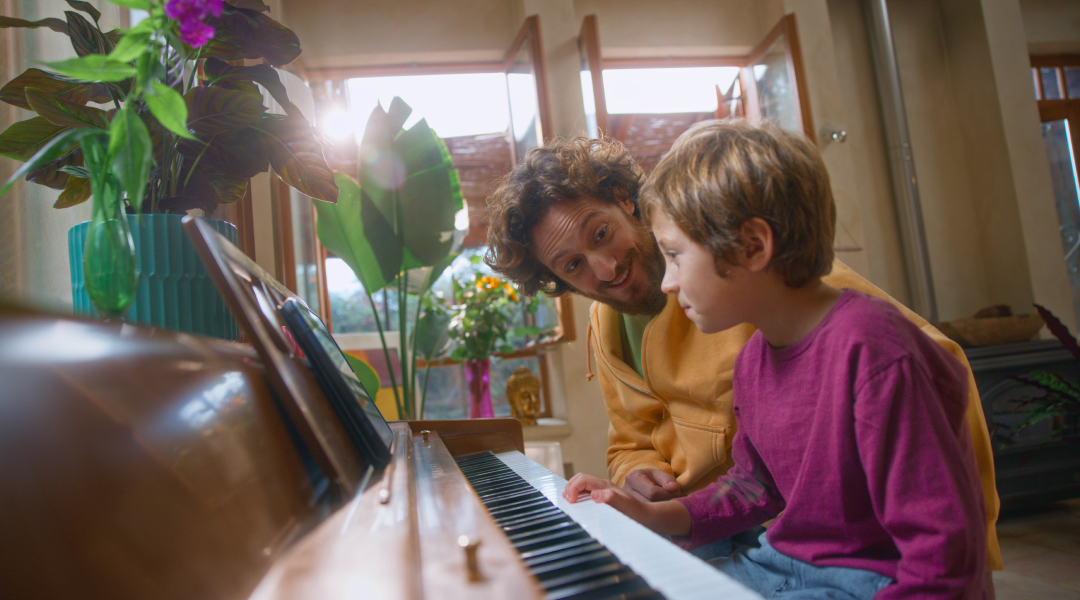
668	570
568	562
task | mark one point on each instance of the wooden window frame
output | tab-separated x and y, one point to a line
529	35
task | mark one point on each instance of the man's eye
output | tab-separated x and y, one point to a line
572	266
601	234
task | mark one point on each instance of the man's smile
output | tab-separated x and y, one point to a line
619	281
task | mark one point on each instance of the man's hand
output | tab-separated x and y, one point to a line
652	485
666	518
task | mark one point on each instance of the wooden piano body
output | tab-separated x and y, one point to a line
143	464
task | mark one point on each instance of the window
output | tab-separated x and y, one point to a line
487	115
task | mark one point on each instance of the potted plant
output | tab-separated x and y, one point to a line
398	227
183	127
1060	398
483	314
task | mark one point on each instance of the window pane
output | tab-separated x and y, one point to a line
1064	180
1051	87
671	90
445	398
1035	82
1072	81
349	306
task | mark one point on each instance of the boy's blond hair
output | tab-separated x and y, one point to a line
720	174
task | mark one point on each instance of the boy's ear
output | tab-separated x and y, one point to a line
758	244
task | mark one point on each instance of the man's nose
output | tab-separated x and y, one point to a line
603	266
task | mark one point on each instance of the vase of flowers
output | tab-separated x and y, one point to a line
485	314
184	127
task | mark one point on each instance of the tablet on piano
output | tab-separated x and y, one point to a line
356	408
254	297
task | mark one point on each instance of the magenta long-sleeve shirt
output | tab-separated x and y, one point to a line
854	440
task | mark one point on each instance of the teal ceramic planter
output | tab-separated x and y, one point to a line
175	291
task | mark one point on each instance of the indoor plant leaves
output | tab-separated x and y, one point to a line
24	138
65	113
213	111
242	33
296	156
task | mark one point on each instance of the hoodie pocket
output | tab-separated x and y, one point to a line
704	447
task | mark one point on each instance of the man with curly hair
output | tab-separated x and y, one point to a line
566	219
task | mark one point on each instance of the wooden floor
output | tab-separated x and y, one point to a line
1041	550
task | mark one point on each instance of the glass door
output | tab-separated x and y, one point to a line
526	88
773	81
592	79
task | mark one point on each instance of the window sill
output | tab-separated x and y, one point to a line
547	430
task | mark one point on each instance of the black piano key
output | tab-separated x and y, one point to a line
524	517
534	522
565	559
586	575
612	586
538	560
560	567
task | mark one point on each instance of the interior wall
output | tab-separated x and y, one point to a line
863	123
1051	26
340	33
33	234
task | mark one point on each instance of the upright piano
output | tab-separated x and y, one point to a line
140	464
152	464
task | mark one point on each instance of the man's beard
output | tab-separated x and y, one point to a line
645	255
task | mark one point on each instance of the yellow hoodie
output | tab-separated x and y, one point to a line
679	418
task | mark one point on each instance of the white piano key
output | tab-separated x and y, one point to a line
673	572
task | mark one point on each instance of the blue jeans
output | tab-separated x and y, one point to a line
736	543
776	575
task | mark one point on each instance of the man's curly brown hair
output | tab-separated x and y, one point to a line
563	169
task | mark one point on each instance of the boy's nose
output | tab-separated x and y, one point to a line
669	285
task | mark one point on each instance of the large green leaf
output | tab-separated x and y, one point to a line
14	92
168	107
381	169
130	148
55	24
54	149
213	111
86	39
297	157
53	174
408	191
226	75
367	376
94	67
342	229
24	138
75	192
136	4
65	113
242	33
133	44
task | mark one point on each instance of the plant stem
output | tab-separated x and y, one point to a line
386	351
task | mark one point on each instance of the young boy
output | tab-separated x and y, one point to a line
851	420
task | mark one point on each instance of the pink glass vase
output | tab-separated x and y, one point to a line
478	380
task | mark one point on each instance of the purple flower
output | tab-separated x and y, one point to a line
195	33
191	14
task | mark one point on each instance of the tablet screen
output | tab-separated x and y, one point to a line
312	328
